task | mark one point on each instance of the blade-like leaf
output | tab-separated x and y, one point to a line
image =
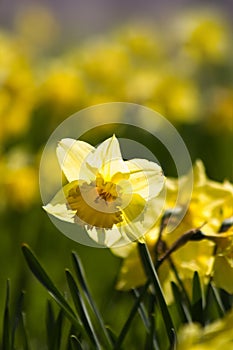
24	333
183	312
26	345
226	299
151	341
197	300
142	311
112	335
81	278
81	309
6	336
17	316
50	324
44	279
152	275
131	316
75	344
214	308
57	334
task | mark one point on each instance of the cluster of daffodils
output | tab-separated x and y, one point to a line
217	335
130	64
113	199
119	201
211	209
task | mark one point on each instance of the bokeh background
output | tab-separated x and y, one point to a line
58	57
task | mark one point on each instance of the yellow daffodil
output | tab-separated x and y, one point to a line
223	261
108	196
210	204
217	335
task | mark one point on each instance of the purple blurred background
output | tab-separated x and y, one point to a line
84	17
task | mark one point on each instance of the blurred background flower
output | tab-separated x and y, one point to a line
58	58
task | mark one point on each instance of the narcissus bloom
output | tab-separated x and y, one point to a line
111	198
211	204
217	335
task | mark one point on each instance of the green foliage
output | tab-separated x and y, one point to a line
87	328
13	323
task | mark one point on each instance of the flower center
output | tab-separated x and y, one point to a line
96	204
106	190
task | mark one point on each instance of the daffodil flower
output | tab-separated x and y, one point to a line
111	198
211	204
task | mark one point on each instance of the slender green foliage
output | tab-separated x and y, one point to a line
81	309
197	300
45	280
82	280
6	339
151	273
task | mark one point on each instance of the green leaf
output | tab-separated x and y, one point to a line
44	279
57	334
131	316
112	335
182	310
142	311
197	308
17	316
226	299
214	308
50	324
151	342
152	275
24	333
6	336
75	344
81	309
81	278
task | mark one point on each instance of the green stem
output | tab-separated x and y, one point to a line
130	318
151	273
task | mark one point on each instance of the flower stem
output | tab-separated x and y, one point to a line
130	318
151	273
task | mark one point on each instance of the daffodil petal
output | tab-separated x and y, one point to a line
107	238
60	212
58	205
146	178
72	155
107	159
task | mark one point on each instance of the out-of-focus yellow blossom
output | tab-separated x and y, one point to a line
210	204
62	86
220	110
36	27
18	181
17	88
142	43
105	194
218	335
105	64
223	262
177	97
203	35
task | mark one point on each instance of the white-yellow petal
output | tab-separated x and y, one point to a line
58	205
107	159
146	178
60	211
72	156
107	238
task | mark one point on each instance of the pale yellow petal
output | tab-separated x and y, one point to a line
146	178
107	159
72	155
58	205
107	238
